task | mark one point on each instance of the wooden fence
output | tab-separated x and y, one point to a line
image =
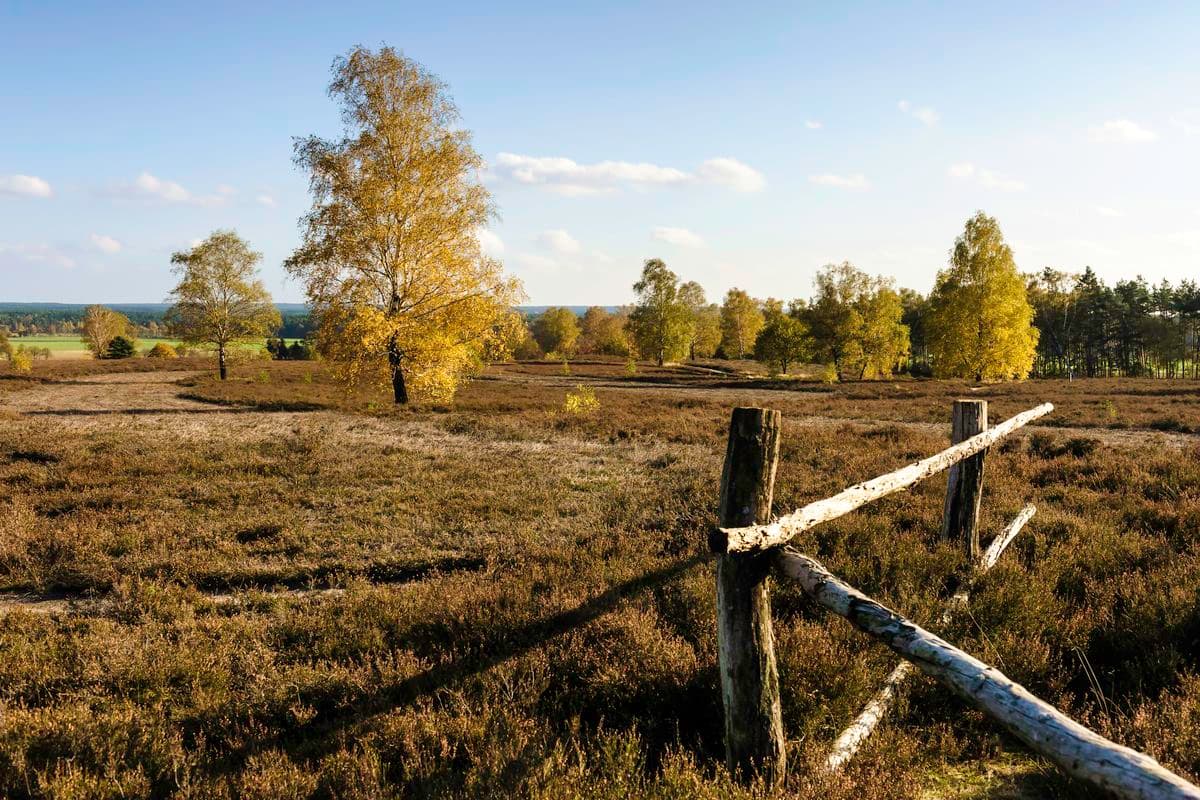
749	544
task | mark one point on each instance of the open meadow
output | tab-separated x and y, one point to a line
72	347
267	588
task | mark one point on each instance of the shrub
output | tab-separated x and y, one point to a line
581	401
162	350
830	375
22	361
120	347
631	367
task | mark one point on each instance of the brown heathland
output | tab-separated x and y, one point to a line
524	601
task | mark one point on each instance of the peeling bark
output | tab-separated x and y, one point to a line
1123	772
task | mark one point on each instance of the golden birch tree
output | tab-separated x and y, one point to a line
220	300
398	284
100	326
980	322
741	320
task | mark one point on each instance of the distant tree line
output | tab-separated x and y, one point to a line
1130	329
20	322
977	322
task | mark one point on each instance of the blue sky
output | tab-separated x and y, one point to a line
745	145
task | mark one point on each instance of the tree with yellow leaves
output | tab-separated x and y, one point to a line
220	300
398	284
100	326
980	321
741	320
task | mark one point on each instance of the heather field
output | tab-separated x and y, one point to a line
268	588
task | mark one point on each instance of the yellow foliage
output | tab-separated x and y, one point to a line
581	401
980	322
162	350
22	360
395	276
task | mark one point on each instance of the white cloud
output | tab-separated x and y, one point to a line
602	257
165	190
924	114
148	185
25	185
226	190
1106	211
1121	130
35	254
490	243
567	177
731	173
537	262
105	244
560	242
813	124
266	200
995	180
855	181
987	178
680	237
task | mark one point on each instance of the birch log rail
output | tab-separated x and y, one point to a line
1123	772
877	707
763	537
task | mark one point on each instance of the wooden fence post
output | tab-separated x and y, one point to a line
964	487
754	743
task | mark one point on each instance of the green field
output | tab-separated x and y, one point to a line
72	347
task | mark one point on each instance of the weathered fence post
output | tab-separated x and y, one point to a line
964	487
754	743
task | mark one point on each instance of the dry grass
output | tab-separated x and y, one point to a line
529	608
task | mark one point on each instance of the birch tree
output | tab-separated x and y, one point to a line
398	284
220	300
980	321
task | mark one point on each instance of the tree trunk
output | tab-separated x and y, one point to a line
395	361
221	368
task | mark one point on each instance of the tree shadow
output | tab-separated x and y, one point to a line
323	733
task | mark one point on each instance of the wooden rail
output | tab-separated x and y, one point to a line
1078	751
752	538
747	545
848	742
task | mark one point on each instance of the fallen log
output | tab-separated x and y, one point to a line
781	531
1081	753
848	742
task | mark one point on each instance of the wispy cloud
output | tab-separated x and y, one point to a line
25	254
732	174
987	178
25	185
813	124
105	244
680	237
1121	130
560	242
855	181
567	177
150	186
924	114
266	200
537	262
1106	211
